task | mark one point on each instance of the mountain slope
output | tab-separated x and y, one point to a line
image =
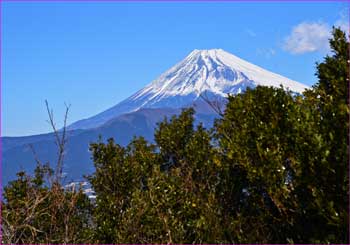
17	154
214	72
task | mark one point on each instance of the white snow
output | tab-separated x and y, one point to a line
215	71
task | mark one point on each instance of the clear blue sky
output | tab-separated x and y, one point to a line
93	55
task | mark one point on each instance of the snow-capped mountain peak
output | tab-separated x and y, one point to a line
217	71
213	71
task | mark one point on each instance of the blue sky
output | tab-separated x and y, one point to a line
93	55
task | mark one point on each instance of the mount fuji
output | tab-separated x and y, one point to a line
214	72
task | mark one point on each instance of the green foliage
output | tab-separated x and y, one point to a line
274	169
257	140
173	136
119	172
329	105
179	204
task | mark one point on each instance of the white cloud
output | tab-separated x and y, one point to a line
308	37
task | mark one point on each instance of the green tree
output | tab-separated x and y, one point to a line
258	137
179	204
291	155
328	101
119	172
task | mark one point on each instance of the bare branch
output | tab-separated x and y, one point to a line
37	160
214	104
60	140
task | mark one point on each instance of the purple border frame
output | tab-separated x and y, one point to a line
1	187
126	1
133	1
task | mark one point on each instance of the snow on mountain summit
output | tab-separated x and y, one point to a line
213	71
